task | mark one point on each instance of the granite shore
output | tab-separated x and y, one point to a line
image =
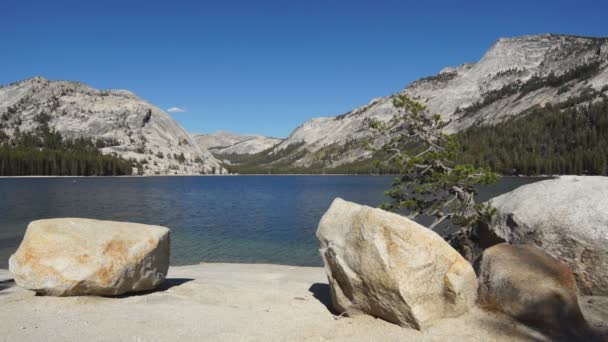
239	302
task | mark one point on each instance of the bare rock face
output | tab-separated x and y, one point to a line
531	286
387	266
466	95
229	143
567	217
120	121
74	257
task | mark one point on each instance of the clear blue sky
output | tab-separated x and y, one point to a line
265	66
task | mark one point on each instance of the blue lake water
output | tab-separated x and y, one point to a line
247	219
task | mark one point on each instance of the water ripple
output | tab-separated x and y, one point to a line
260	219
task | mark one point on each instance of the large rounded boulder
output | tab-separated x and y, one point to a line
72	257
566	217
528	284
385	265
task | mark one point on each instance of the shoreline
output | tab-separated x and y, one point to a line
240	175
223	301
259	175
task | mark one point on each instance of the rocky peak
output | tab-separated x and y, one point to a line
514	75
509	61
135	128
544	53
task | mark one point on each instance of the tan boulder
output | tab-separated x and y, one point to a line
73	256
566	217
531	286
385	265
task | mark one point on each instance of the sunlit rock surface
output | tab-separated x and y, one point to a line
72	257
385	265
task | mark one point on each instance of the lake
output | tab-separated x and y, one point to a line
246	219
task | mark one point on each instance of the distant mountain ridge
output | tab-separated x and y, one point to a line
137	129
223	143
512	79
513	76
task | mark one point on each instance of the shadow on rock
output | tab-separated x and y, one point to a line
534	288
321	293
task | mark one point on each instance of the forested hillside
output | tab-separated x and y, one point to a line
566	138
45	152
555	139
513	77
136	129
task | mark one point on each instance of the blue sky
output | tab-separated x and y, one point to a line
265	66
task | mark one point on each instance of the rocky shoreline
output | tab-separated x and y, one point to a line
240	302
540	277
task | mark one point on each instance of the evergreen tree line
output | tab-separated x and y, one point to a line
263	157
45	152
360	167
265	162
565	138
536	82
555	139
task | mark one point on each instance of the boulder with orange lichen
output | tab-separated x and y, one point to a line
74	257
